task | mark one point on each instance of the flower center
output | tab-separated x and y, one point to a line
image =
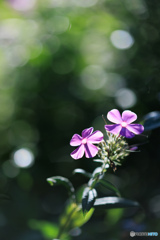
84	140
124	124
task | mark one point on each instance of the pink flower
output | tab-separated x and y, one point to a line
85	143
123	124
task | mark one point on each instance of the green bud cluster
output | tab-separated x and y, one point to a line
113	150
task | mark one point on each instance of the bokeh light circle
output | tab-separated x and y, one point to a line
121	39
125	98
23	158
93	77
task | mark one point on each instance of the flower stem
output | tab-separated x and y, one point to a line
67	222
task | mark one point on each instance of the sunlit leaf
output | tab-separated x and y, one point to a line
73	217
96	176
114	202
88	199
97	172
58	180
98	160
101	161
152	120
79	193
83	172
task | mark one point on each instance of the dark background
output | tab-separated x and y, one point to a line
63	66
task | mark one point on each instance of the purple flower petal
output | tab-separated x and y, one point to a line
87	132
126	133
78	152
96	137
133	148
128	116
90	150
115	129
135	128
76	140
114	116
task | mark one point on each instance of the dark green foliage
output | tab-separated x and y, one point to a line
4	198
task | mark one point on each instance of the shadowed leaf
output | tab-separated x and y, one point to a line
109	186
58	180
152	120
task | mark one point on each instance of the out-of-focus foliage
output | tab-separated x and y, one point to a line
48	230
63	65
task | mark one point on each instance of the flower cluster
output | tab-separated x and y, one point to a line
115	147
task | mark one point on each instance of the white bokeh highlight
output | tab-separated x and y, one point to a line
93	77
121	39
125	98
23	158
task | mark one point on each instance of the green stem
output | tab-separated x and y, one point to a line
68	220
98	177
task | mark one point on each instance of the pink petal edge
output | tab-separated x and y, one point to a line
87	132
78	152
114	116
96	137
135	128
115	129
129	116
76	140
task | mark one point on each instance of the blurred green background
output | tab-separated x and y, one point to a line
64	63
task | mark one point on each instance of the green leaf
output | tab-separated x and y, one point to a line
73	217
98	160
83	172
96	176
114	202
109	186
88	199
63	181
97	172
